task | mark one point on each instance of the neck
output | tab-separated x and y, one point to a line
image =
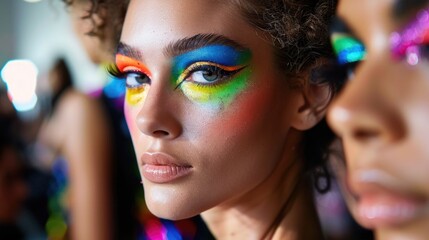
281	207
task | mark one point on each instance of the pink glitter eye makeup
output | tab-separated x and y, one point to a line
412	42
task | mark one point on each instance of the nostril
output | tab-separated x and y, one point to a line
365	135
160	133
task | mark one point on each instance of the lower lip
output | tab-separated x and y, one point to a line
385	210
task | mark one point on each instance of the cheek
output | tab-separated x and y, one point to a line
130	113
244	113
216	96
135	96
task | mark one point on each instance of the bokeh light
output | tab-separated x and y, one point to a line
20	77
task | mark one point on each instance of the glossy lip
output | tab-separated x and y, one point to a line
158	167
380	205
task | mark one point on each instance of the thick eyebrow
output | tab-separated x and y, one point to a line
403	8
182	45
198	41
129	51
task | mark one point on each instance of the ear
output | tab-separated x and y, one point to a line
98	17
312	103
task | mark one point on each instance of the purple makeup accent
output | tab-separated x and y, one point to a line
406	43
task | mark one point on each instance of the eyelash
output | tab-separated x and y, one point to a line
350	53
114	71
218	69
225	73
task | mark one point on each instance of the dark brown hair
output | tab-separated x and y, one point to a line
299	32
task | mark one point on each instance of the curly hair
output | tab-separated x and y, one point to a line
112	12
299	33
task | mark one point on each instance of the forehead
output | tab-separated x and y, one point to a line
159	22
367	15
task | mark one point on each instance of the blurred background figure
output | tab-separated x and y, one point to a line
132	220
73	144
13	187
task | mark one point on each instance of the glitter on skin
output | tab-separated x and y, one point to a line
404	44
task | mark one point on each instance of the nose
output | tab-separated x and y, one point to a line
365	111
158	115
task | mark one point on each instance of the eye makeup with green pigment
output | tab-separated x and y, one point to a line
347	48
212	75
411	43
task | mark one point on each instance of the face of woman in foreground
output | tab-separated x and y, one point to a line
383	112
207	109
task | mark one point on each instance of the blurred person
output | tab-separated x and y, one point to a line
13	188
8	114
382	114
98	29
75	146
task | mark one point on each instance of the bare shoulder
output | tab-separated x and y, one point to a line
82	116
77	105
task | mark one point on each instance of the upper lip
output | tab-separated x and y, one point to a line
160	158
374	182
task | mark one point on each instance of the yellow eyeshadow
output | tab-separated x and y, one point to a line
134	96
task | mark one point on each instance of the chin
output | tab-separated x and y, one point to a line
170	212
164	203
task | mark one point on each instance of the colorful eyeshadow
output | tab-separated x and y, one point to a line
347	48
125	63
225	58
133	95
405	43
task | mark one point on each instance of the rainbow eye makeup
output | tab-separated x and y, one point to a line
412	42
347	48
212	75
137	78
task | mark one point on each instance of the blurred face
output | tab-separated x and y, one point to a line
207	109
383	112
82	25
12	186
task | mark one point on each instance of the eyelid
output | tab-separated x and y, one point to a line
126	63
194	67
347	48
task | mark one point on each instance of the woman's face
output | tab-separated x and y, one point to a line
206	107
383	112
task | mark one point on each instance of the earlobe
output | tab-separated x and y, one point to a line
312	106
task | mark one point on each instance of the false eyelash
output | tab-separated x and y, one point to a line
213	68
113	70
